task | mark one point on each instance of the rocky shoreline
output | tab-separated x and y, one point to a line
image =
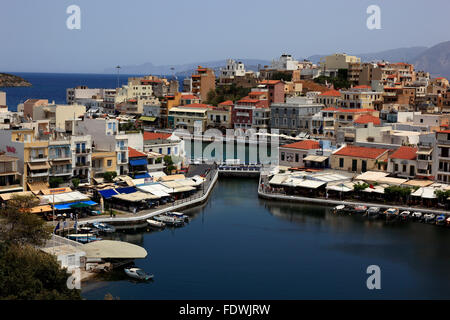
10	80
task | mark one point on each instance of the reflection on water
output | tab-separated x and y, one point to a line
235	240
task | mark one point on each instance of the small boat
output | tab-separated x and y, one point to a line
447	221
429	218
373	212
360	209
391	214
440	220
404	215
88	230
170	221
178	215
83	237
138	274
338	208
103	227
156	224
416	215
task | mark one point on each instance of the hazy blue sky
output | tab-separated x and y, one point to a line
34	36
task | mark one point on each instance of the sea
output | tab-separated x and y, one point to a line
238	246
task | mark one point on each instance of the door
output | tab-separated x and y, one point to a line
363	166
354	164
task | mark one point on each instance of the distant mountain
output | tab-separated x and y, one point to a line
183	69
435	60
398	55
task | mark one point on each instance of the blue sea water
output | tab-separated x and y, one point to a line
52	86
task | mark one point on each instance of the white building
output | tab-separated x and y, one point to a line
285	63
232	69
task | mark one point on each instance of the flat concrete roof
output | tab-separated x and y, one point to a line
110	249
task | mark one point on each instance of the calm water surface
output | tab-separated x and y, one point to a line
240	247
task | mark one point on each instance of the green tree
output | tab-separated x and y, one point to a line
169	164
19	225
54	182
75	182
26	273
109	176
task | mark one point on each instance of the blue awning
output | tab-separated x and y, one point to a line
126	190
138	162
66	206
142	176
108	193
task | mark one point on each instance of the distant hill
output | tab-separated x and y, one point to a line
435	60
10	80
183	69
407	55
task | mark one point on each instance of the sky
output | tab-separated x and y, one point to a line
34	36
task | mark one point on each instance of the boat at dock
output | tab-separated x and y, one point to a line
156	224
373	212
429	218
170	221
404	215
103	227
178	215
416	215
138	274
440	220
83	237
391	214
338	208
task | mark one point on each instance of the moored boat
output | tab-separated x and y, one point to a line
440	220
373	212
416	215
338	208
404	215
360	209
170	221
156	224
103	227
138	274
391	213
429	218
177	215
83	237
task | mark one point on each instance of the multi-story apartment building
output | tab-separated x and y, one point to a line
203	81
220	117
338	61
295	115
10	177
232	69
361	97
103	161
60	116
101	99
359	159
81	148
60	157
403	162
442	156
250	113
329	98
189	117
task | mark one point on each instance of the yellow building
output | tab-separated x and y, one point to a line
186	117
103	161
359	159
338	61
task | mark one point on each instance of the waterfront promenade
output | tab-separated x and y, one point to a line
196	199
272	195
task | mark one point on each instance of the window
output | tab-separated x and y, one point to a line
341	162
296	157
109	163
282	156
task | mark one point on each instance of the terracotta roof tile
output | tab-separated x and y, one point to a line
156	136
133	153
360	152
304	145
404	152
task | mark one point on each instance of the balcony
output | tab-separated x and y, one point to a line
83	164
39	158
444	142
82	151
38	174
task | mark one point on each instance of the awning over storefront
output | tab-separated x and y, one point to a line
156	189
126	190
138	162
142	176
108	193
150	119
8	196
65	197
315	158
39	209
136	196
66	206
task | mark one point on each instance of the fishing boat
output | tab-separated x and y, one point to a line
391	214
404	215
103	227
447	221
338	208
416	215
429	218
83	237
88	230
138	274
170	221
373	212
156	224
440	220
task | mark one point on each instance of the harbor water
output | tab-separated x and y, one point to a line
238	246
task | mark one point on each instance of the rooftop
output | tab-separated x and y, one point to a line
404	152
361	152
303	145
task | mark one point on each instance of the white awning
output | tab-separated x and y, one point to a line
65	197
315	158
278	179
